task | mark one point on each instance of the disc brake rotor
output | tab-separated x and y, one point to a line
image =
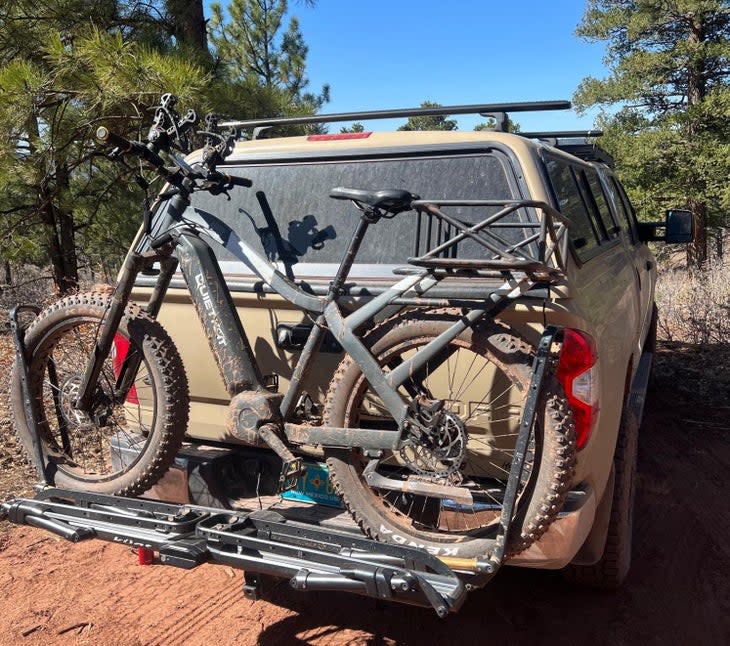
436	450
75	418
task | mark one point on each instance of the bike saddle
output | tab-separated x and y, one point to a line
393	200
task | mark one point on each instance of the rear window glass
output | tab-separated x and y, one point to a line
290	212
572	205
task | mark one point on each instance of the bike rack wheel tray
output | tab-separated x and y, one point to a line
258	542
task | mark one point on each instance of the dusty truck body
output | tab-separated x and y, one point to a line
608	292
602	301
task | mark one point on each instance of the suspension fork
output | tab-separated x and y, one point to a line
133	360
133	264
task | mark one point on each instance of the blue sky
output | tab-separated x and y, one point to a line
397	53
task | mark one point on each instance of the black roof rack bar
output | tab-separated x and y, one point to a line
487	108
561	134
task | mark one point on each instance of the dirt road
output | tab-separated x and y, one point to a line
677	592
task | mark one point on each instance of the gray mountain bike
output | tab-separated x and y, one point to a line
442	428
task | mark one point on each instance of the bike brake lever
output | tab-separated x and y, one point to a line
215	188
115	154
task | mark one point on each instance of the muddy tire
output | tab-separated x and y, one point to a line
88	453
484	381
613	566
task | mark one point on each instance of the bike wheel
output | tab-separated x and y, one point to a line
122	447
482	378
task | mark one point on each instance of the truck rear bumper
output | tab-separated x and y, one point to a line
566	534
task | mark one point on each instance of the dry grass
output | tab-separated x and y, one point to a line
694	307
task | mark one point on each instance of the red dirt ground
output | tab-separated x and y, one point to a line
677	591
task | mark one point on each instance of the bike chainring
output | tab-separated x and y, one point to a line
434	442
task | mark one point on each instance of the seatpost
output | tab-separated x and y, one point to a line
369	216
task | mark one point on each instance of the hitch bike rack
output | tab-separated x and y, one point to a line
265	542
258	542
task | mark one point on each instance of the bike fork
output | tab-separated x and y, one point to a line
109	326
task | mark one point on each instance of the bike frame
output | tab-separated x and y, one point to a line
181	233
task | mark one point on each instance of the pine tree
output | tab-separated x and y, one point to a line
262	61
62	75
670	64
438	122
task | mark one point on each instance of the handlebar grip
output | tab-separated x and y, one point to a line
104	135
234	180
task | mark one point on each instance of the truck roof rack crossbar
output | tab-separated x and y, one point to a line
562	134
485	109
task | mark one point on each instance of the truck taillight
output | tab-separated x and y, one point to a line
121	347
578	373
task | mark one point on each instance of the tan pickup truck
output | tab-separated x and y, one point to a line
606	299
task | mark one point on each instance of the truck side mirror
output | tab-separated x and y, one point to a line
678	227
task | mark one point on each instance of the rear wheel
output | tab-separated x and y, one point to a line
122	447
444	489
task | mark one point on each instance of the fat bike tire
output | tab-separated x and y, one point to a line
90	453
493	367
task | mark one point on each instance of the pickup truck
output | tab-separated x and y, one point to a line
518	342
607	297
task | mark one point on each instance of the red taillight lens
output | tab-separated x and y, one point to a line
578	373
121	347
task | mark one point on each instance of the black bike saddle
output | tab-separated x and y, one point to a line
393	200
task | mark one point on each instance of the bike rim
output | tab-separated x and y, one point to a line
85	449
492	421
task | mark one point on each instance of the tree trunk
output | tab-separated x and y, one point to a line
188	23
697	249
696	92
60	245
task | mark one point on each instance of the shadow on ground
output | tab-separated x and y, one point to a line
677	591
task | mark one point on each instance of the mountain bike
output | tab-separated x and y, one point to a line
442	428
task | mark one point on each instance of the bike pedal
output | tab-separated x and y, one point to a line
290	472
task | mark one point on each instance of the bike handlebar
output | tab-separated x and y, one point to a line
105	136
233	180
125	146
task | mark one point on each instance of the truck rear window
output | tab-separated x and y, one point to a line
289	210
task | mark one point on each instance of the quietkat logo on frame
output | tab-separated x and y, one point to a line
215	324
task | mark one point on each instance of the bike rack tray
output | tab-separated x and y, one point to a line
258	542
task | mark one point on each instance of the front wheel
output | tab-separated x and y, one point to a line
121	447
475	391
